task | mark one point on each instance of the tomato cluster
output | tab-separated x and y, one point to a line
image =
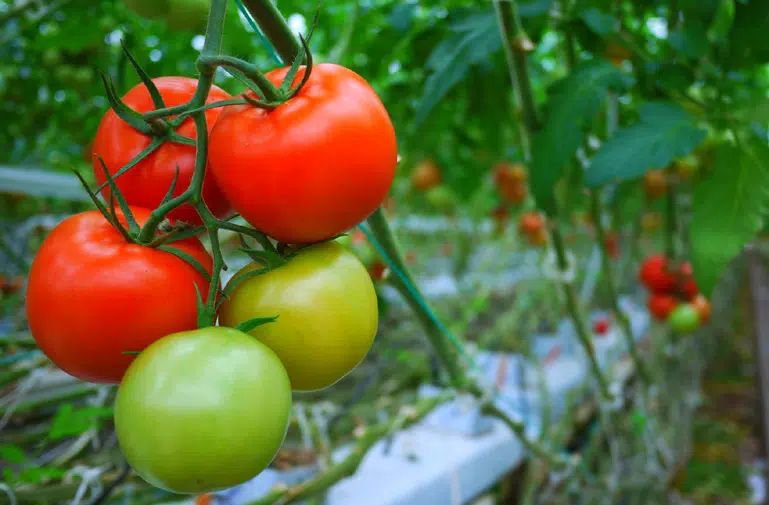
674	295
510	181
100	292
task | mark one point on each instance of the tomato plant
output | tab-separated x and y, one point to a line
655	183
326	307
703	308
441	197
684	319
145	185
661	305
531	223
185	15
91	295
321	162
203	410
510	181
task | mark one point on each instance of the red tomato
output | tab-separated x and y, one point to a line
655	276
147	183
315	166
612	244
531	223
601	326
377	271
661	305
689	288
426	175
91	295
686	269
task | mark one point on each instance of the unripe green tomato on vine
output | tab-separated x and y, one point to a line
684	319
441	197
326	307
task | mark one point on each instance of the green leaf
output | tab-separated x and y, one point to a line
729	208
12	453
184	256
249	325
691	40
664	133
722	21
748	43
533	8
267	258
69	421
38	475
574	103
599	22
474	39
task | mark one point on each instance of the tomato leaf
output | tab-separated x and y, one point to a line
665	132
573	103
598	21
691	40
12	453
69	421
249	325
729	208
748	43
474	39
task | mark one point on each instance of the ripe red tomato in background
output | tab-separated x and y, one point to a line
530	223
611	242
655	276
426	175
601	326
661	305
147	183
91	295
703	308
320	163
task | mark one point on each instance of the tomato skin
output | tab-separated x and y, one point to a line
426	176
320	163
146	184
684	319
661	305
92	296
203	410
655	276
327	313
655	183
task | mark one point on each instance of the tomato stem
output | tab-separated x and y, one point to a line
275	28
263	86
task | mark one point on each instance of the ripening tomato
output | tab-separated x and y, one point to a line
684	319
531	223
426	175
655	183
91	296
538	238
512	193
203	410
327	313
601	326
703	307
654	274
147	183
441	197
651	222
661	305
378	271
320	163
611	241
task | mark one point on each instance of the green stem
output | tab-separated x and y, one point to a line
515	46
209	317
380	228
341	47
608	270
275	28
267	89
572	305
670	223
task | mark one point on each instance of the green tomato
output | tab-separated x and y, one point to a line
441	197
326	307
684	319
203	410
188	15
344	241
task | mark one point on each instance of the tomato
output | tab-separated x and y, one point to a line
426	175
146	184
616	53
11	286
441	197
685	169
651	222
203	410
601	326
654	274
514	173
703	308
611	242
378	271
655	183
531	223
689	288
91	296
327	313
661	305
538	238
315	166
684	319
686	269
512	193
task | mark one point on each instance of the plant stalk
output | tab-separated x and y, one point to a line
275	28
